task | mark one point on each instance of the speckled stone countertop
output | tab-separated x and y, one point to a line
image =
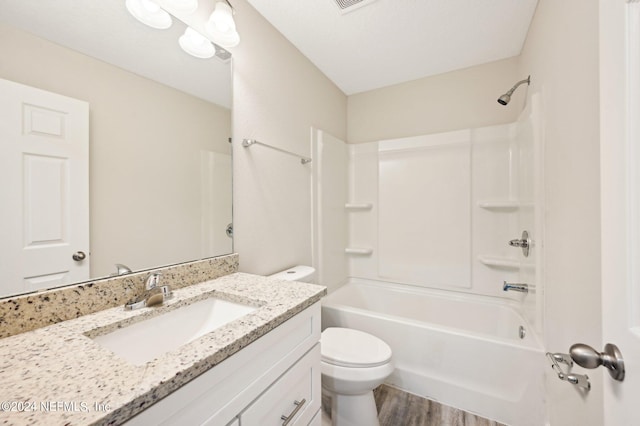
22	313
56	375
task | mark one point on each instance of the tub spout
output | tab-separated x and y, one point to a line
522	288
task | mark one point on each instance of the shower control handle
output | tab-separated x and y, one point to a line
524	243
519	243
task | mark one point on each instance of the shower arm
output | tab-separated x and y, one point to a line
513	89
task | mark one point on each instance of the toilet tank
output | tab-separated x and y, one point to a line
297	273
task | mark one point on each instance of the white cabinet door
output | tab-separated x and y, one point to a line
44	163
293	399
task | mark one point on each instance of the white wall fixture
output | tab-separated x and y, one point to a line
149	13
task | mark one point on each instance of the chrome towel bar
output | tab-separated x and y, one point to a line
248	142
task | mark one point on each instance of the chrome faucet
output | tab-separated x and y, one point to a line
522	288
154	294
121	270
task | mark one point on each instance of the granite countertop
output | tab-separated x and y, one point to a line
58	375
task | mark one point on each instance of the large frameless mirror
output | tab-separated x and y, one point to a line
155	123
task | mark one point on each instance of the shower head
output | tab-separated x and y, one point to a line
504	99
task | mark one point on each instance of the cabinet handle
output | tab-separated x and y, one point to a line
290	417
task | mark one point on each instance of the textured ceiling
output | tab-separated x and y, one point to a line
105	30
387	42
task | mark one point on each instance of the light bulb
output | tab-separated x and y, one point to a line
183	6
221	27
222	17
196	44
150	6
149	13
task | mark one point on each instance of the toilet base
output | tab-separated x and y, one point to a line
353	410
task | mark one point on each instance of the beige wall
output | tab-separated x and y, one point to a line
145	142
455	100
561	54
278	96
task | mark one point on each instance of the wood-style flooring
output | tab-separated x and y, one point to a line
399	408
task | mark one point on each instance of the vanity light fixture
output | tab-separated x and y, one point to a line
196	44
149	13
221	27
183	6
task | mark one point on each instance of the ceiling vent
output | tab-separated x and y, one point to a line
347	6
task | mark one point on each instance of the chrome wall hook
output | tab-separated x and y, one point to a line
580	380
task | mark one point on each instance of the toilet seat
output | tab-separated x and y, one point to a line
346	347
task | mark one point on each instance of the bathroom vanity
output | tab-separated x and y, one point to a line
260	368
273	379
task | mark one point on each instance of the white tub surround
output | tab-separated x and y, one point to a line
60	363
435	211
458	349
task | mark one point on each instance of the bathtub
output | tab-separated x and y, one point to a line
462	350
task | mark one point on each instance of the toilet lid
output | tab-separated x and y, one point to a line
353	348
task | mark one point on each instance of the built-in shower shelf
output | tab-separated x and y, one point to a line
499	262
362	251
358	206
499	204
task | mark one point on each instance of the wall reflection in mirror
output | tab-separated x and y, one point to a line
152	137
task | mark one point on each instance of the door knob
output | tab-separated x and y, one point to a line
587	357
78	256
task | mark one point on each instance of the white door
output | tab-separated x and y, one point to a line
216	216
44	166
620	196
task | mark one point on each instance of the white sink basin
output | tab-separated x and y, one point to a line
144	341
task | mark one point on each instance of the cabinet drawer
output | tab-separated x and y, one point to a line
301	384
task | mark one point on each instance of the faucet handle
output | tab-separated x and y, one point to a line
153	279
121	270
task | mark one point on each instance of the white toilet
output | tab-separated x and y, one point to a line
301	273
353	364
